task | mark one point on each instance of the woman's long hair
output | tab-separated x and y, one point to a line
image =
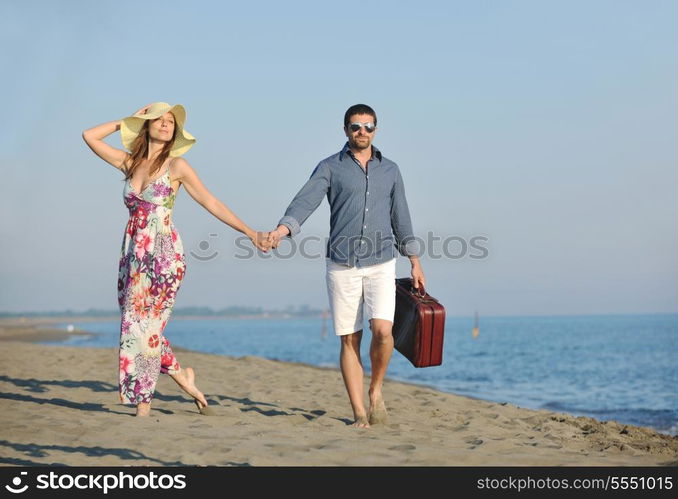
140	151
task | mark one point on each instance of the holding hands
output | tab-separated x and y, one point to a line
265	241
261	240
276	235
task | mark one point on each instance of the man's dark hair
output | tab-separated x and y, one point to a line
359	109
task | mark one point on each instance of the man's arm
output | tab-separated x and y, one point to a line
304	204
402	230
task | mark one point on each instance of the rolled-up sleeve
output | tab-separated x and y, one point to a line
400	219
307	199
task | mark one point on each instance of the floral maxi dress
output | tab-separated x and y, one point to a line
152	266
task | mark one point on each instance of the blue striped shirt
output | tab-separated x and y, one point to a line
369	217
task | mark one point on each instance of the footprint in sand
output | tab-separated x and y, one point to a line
473	441
330	444
403	447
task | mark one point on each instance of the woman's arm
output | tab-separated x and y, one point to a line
94	137
197	190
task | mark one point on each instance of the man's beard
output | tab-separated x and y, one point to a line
362	145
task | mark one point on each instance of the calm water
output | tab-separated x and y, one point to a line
609	367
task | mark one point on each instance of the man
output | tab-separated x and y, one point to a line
369	214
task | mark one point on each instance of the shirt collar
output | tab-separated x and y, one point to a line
376	153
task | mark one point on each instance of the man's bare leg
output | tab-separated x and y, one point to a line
381	350
352	372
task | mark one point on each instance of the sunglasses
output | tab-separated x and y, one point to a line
369	127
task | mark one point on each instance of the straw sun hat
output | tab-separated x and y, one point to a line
131	126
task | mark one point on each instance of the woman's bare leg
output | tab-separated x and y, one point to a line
143	409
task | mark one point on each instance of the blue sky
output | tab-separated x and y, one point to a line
548	128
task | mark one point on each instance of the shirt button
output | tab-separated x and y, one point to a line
367	209
368	193
364	226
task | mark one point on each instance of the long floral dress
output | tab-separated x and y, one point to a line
152	266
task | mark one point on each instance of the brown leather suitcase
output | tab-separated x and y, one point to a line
419	325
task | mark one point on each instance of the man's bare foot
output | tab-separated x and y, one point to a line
377	413
192	390
361	422
143	409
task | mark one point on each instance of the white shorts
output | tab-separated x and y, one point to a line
349	288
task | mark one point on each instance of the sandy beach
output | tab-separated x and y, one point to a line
59	406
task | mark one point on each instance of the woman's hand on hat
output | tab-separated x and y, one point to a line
143	110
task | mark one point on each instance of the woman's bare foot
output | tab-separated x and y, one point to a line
190	388
143	409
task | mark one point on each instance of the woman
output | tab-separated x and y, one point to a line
152	261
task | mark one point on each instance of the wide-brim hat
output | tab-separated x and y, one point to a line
132	125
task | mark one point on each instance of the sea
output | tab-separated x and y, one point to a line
609	367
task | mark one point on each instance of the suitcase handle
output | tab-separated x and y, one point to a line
422	294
